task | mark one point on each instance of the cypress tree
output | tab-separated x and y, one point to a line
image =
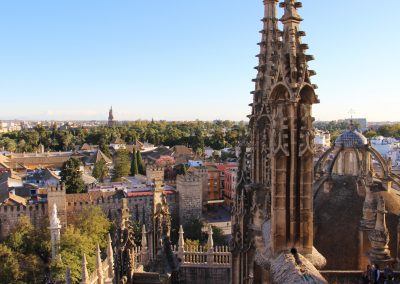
134	164
71	176
121	165
140	163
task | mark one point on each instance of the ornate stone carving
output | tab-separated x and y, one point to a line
125	260
279	126
307	132
379	237
268	176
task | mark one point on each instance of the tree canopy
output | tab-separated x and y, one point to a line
134	164
194	134
25	253
121	165
140	165
100	170
89	227
195	233
71	176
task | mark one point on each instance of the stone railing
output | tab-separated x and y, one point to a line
141	259
199	256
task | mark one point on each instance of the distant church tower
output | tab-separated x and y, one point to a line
273	209
111	121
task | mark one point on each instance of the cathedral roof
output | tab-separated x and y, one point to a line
351	139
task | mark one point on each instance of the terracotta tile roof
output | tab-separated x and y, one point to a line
39	159
226	166
13	199
96	157
157	153
182	150
86	147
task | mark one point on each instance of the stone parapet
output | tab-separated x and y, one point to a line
10	215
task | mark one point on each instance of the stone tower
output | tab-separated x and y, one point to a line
189	188
154	173
56	195
273	208
111	121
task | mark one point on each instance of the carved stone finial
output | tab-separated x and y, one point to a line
99	265
379	237
124	213
85	274
290	10
210	241
110	256
144	237
181	241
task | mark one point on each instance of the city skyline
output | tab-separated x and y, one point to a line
184	61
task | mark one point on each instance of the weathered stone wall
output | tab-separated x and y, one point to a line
201	275
57	195
140	209
154	173
10	215
189	188
202	173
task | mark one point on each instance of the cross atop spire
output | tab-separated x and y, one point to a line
351	126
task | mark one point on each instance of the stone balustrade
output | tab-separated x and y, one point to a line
200	256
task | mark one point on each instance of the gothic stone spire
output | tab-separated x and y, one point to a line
110	256
281	137
266	58
293	57
99	266
85	274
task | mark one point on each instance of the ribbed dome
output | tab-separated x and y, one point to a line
351	139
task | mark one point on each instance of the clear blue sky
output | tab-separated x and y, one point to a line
185	59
